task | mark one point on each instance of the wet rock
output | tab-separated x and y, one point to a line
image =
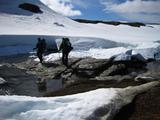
67	74
148	76
144	79
2	81
81	69
119	69
47	70
27	65
91	64
90	67
116	78
41	83
152	73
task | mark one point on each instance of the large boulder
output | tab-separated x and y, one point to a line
138	58
128	56
123	56
90	67
132	61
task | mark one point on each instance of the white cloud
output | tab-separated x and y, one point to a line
137	6
64	7
141	10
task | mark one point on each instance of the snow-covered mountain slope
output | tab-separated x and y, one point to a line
100	104
14	20
39	20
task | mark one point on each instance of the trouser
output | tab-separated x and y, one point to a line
39	54
65	59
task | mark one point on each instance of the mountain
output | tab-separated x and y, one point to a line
15	20
22	18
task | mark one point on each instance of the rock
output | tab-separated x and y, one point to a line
46	70
116	78
144	107
122	57
82	69
30	7
2	81
144	79
129	52
41	83
151	60
67	74
90	64
29	64
128	56
152	73
138	58
119	69
90	67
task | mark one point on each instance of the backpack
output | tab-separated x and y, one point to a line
69	47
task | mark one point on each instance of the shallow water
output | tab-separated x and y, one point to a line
154	66
21	83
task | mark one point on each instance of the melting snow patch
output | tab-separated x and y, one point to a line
120	53
93	53
74	107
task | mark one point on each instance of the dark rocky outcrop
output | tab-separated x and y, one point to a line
30	7
58	24
144	107
133	24
90	67
85	69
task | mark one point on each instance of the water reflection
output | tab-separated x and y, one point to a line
44	86
41	84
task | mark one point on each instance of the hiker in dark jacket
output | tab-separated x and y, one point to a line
66	47
40	47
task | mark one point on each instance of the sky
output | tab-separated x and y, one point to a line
117	10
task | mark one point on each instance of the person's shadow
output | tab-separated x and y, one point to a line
50	64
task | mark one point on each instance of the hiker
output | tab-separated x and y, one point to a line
44	44
40	47
66	47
